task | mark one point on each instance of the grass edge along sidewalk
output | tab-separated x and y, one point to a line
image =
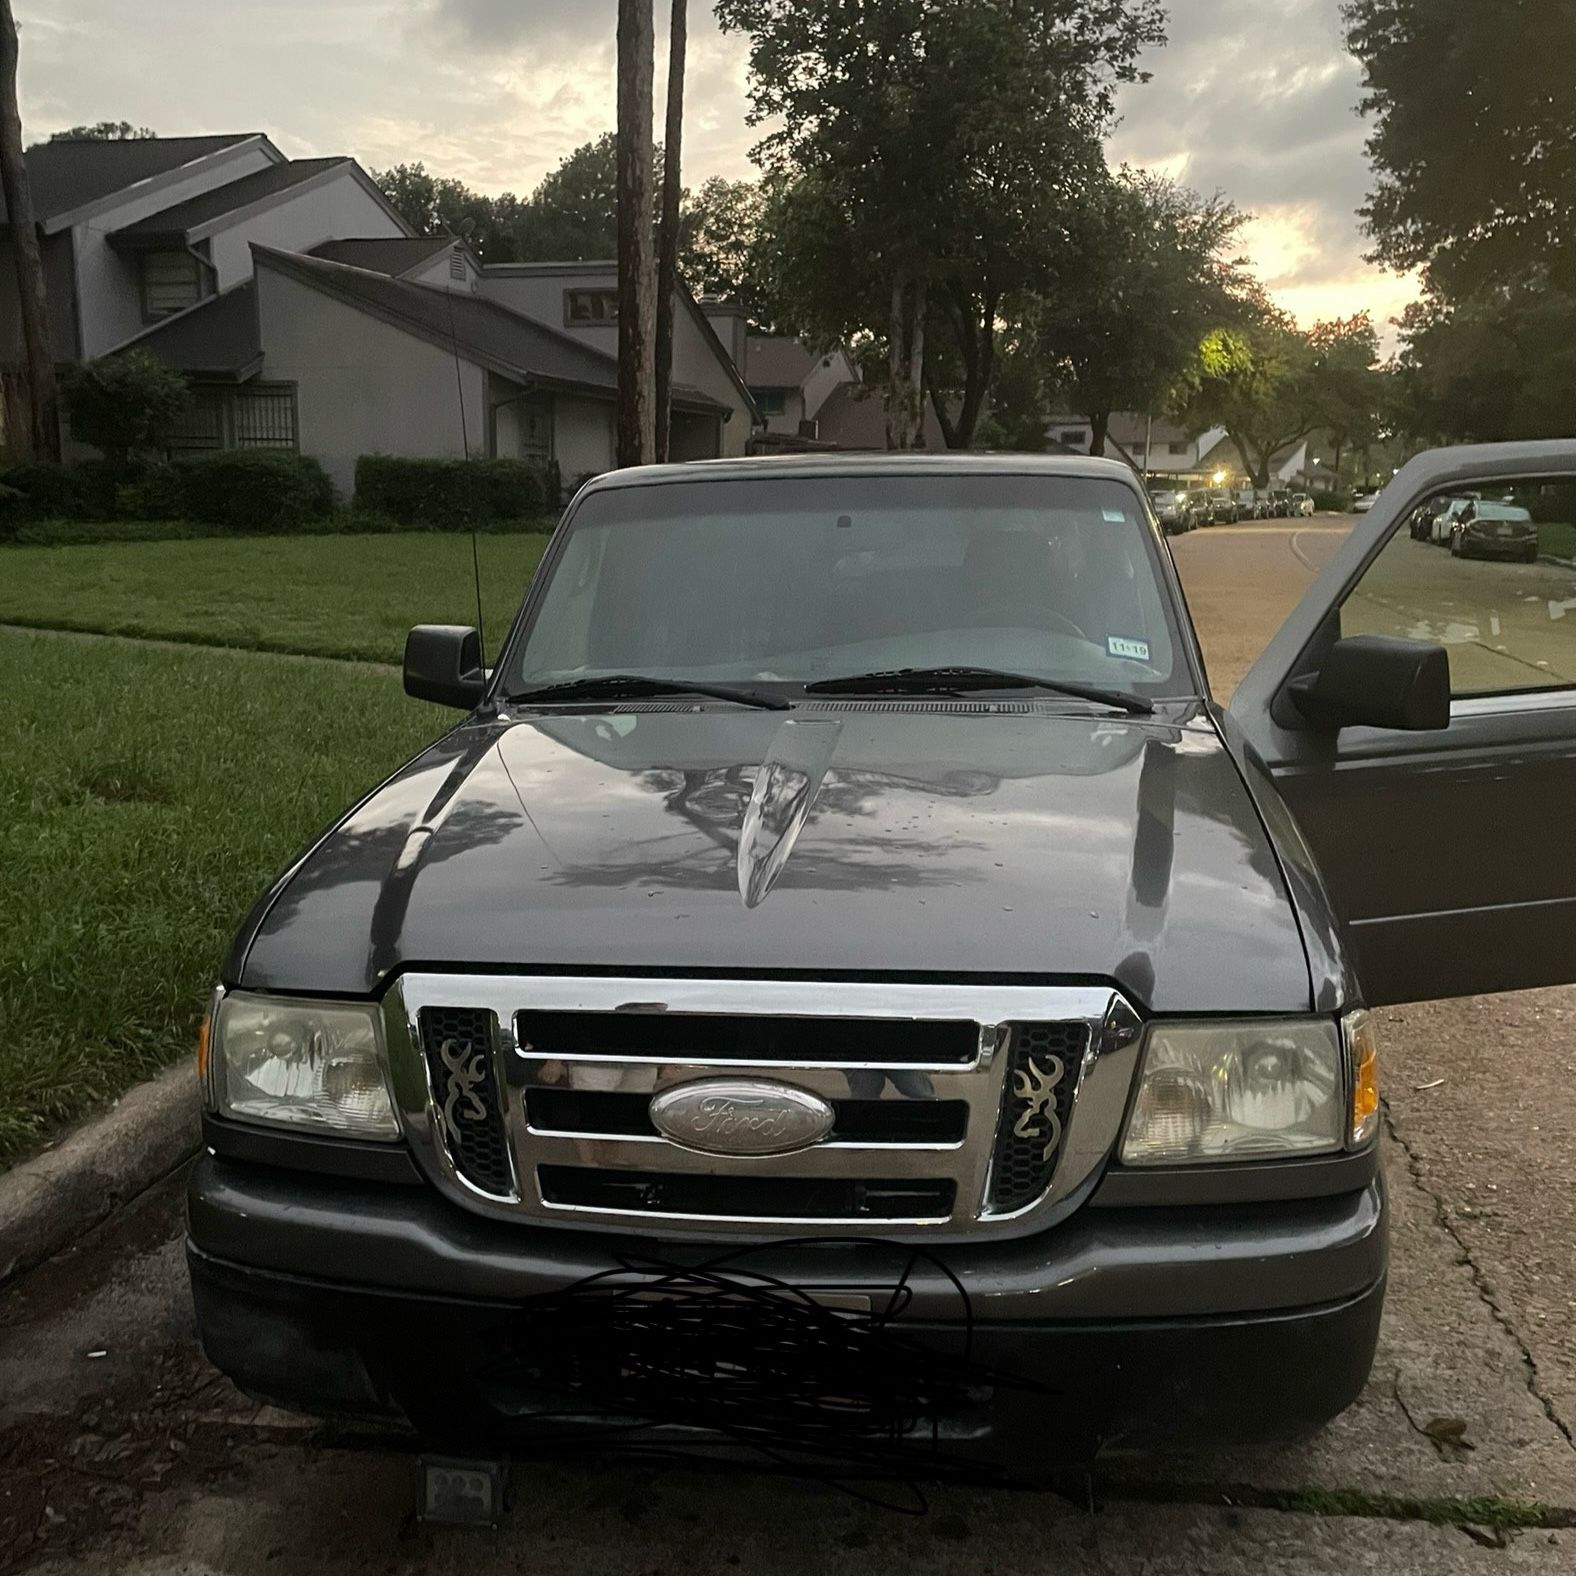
146	797
351	597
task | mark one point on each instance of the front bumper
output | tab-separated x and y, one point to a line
1120	1329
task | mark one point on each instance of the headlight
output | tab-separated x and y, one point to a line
307	1064
1239	1091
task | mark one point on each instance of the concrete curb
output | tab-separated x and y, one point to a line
48	1202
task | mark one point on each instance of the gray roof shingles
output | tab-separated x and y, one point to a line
177	222
218	339
68	175
221	335
392	255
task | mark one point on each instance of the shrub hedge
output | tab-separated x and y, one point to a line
266	492
454	494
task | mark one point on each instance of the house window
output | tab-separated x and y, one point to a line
1178	448
202	424
171	282
265	416
1072	436
590	307
259	416
770	402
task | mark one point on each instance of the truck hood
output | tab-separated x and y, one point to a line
861	839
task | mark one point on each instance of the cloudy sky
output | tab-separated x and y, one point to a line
1254	97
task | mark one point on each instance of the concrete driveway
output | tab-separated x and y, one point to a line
120	1450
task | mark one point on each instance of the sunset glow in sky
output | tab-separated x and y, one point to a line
1254	97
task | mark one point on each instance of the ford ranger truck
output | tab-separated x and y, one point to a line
843	882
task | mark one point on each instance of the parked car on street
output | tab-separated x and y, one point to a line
1495	530
1279	503
1250	506
1421	524
841	892
1174	511
1301	506
1222	507
1443	523
1364	501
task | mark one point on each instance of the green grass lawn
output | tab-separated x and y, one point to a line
146	798
332	596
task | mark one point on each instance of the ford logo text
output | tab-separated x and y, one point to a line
742	1116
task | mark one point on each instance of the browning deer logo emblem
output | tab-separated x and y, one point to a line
1038	1119
465	1073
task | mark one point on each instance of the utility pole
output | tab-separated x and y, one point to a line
43	402
672	191
637	50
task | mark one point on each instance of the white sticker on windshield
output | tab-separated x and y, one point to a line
1135	650
1115	516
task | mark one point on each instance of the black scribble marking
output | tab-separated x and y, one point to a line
659	1358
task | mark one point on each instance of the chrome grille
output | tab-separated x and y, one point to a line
938	1122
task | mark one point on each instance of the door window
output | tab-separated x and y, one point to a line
1490	574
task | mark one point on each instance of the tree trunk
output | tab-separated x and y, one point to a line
974	328
906	375
1099	427
672	190
43	402
637	430
1340	451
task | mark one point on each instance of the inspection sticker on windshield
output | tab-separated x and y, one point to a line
1114	516
1135	650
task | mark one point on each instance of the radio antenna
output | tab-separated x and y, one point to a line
467	227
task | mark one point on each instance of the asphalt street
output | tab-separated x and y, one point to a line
120	1450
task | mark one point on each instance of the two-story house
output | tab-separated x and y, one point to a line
306	314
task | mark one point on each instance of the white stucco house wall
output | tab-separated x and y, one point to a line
306	314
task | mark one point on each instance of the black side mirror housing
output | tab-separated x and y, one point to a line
1377	681
443	663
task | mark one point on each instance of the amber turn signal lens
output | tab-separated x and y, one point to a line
204	1033
1362	1049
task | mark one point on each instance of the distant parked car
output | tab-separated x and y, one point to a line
1301	506
1494	530
1222	507
1364	501
1421	525
1444	522
1279	504
1174	510
1248	504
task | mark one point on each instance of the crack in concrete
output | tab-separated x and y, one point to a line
1480	1282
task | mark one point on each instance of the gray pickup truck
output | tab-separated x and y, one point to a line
844	944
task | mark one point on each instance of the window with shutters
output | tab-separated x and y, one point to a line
171	282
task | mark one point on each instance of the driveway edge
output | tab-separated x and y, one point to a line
48	1202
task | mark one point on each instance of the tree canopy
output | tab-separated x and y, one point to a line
918	148
1474	139
104	131
1150	272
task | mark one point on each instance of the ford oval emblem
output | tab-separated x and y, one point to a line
742	1116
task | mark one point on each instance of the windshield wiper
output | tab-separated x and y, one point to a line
635	686
961	681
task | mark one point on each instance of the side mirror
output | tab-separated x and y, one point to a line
1377	681
443	663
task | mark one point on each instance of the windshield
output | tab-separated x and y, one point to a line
790	581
